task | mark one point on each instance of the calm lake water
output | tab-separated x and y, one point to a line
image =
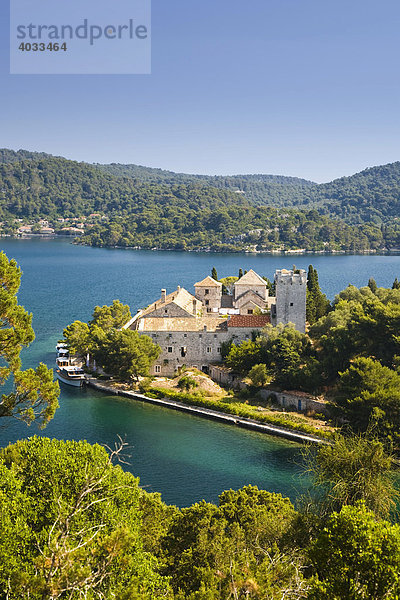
185	458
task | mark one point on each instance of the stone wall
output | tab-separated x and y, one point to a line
291	291
191	348
298	401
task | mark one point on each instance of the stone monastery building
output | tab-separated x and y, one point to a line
191	328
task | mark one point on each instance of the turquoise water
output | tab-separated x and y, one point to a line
185	458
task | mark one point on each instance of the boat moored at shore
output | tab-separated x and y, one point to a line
70	375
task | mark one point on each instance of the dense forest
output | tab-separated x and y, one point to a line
151	208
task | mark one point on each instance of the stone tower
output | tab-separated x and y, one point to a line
209	292
291	291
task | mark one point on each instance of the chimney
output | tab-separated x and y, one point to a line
194	306
179	288
163	295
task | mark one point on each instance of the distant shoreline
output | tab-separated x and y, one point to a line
301	252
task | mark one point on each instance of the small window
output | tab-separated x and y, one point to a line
157	369
200	336
166	310
219	350
249	311
169	348
291	304
207	302
185	335
208	309
209	349
215	335
206	292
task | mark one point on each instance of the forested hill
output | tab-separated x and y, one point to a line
143	209
372	195
270	190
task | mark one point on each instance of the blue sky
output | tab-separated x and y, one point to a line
308	88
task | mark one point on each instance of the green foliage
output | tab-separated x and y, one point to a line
350	469
258	375
34	395
77	336
126	354
356	557
317	304
187	383
71	525
368	392
286	353
372	285
111	317
233	407
362	323
214	274
147	208
232	548
150	207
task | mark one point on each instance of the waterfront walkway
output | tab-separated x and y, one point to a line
208	413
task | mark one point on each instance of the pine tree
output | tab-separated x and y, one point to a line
372	285
240	273
396	284
317	303
214	274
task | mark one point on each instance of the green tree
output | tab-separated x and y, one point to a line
111	317
126	354
317	304
369	392
187	383
356	557
34	395
372	285
259	375
396	284
240	273
353	468
77	335
72	524
214	274
243	357
232	550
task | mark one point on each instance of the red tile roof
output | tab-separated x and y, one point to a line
252	321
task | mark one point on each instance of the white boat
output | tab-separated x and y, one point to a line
62	350
70	375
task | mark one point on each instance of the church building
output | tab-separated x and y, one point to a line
190	329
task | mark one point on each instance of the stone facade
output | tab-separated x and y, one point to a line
290	304
209	292
191	329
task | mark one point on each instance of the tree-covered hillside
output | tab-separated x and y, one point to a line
372	195
270	190
148	208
